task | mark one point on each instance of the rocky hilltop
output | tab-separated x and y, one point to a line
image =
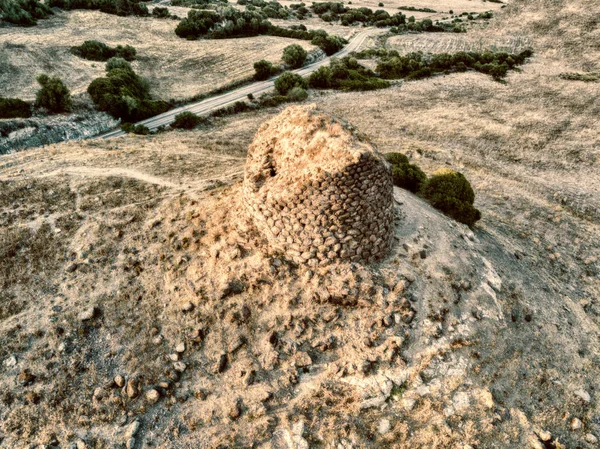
145	307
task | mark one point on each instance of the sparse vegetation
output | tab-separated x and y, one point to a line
124	94
24	12
586	77
118	7
450	192
99	51
14	108
297	94
264	70
288	80
404	174
412	8
188	120
135	129
53	95
294	56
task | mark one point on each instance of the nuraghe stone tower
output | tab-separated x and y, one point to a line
318	191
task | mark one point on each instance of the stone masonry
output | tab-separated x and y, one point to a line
317	190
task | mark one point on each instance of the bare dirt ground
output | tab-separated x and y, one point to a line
176	68
130	257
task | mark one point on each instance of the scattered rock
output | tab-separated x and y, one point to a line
179	366
544	435
131	430
130	443
576	424
119	381
152	396
583	395
180	348
132	389
302	359
591	438
384	426
10	362
236	410
187	307
89	313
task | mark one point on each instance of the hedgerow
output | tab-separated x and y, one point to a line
99	51
419	65
346	74
14	108
118	7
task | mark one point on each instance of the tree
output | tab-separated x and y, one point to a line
264	70
53	95
450	192
187	120
294	55
321	79
288	80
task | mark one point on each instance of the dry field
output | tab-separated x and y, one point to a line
475	40
176	68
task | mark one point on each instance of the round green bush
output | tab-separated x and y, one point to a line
187	120
297	94
53	94
294	55
288	80
404	174
450	192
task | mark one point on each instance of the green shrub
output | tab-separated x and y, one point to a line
24	12
14	108
188	120
294	55
161	12
118	7
321	78
288	80
53	94
451	193
117	63
404	174
297	94
346	74
135	129
99	51
264	70
124	94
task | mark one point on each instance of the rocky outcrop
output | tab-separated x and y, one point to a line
317	190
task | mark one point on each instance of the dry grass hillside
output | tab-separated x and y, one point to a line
176	68
139	308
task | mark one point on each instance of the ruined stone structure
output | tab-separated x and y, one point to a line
318	191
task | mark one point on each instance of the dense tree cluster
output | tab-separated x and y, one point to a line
53	94
334	11
118	7
346	74
14	108
24	12
420	65
230	22
124	94
99	51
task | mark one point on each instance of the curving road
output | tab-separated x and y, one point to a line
208	105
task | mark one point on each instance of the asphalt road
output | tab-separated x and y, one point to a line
211	104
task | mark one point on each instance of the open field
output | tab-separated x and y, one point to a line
176	68
475	40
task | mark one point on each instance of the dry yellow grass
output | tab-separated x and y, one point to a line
176	68
451	43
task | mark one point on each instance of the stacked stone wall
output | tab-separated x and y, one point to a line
319	197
